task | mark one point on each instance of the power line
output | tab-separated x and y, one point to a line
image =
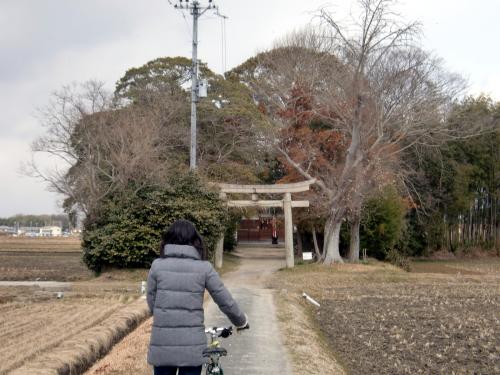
187	25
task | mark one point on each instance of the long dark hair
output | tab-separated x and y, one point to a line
183	232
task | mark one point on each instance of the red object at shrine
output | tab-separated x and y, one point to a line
275	230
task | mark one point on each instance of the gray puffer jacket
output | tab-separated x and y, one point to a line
176	285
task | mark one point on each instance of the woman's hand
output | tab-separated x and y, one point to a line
246	326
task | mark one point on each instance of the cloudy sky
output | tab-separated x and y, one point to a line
45	44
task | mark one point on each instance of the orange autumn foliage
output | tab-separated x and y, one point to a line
310	140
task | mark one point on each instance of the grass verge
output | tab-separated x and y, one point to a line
305	343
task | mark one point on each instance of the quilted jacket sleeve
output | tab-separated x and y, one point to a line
151	289
224	300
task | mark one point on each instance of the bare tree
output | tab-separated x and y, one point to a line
397	96
105	147
66	108
139	137
372	83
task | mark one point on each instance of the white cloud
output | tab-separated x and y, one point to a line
20	193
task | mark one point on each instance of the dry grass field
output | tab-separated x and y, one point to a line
45	335
42	332
28	330
377	319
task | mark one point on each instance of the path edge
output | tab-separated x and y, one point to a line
306	346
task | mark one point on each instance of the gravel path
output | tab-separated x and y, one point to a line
259	350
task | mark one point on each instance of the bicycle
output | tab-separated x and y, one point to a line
214	351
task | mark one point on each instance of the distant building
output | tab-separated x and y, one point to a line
51	231
4	229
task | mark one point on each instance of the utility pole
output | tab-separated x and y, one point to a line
196	10
194	84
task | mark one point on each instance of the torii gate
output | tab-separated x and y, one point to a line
286	203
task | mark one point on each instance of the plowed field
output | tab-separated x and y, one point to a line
56	259
380	320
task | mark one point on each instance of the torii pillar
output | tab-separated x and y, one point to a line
287	208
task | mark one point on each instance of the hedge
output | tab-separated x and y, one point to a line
128	228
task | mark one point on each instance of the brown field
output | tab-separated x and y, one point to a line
20	265
48	244
57	259
42	334
377	319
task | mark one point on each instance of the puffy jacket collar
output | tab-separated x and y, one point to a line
181	251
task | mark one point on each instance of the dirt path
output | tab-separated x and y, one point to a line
259	350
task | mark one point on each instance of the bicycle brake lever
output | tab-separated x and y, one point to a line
226	332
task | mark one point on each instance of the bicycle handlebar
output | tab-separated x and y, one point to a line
224	331
220	331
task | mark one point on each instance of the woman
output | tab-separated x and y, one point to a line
176	286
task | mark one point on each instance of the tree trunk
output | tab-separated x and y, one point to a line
326	236
354	243
331	247
316	247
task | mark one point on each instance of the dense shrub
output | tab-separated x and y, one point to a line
382	223
127	230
